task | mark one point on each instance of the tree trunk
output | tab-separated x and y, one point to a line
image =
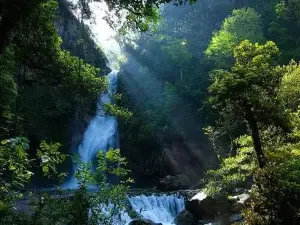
255	137
181	73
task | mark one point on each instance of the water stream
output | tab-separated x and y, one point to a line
159	209
101	134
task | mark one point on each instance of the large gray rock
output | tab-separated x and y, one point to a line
143	222
203	207
239	202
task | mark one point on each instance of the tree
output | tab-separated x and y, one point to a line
289	92
234	170
8	91
17	167
102	207
243	24
138	14
41	83
249	88
178	53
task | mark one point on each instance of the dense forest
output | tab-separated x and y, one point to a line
206	100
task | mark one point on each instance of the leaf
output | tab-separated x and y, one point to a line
12	167
4	142
45	159
45	169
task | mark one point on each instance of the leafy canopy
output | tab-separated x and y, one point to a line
243	24
252	80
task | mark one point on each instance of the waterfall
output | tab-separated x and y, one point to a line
101	133
159	209
102	130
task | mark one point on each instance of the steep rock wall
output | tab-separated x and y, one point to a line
69	28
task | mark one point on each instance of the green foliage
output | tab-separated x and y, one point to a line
83	175
275	189
284	28
106	205
81	79
289	88
117	111
8	91
121	59
43	83
50	158
15	169
17	166
8	88
103	206
252	82
243	24
111	163
178	52
276	199
139	15
234	171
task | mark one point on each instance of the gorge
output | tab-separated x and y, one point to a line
149	112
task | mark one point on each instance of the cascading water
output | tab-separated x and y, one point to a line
102	130
101	133
158	208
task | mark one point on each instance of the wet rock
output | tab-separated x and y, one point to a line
184	181
185	218
239	202
169	183
236	217
203	207
143	222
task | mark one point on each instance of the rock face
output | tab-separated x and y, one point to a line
143	222
188	158
71	30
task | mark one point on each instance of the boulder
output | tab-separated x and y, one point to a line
169	183
184	181
203	207
239	202
143	222
236	217
185	218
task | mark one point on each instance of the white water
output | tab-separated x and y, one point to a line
159	209
101	133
